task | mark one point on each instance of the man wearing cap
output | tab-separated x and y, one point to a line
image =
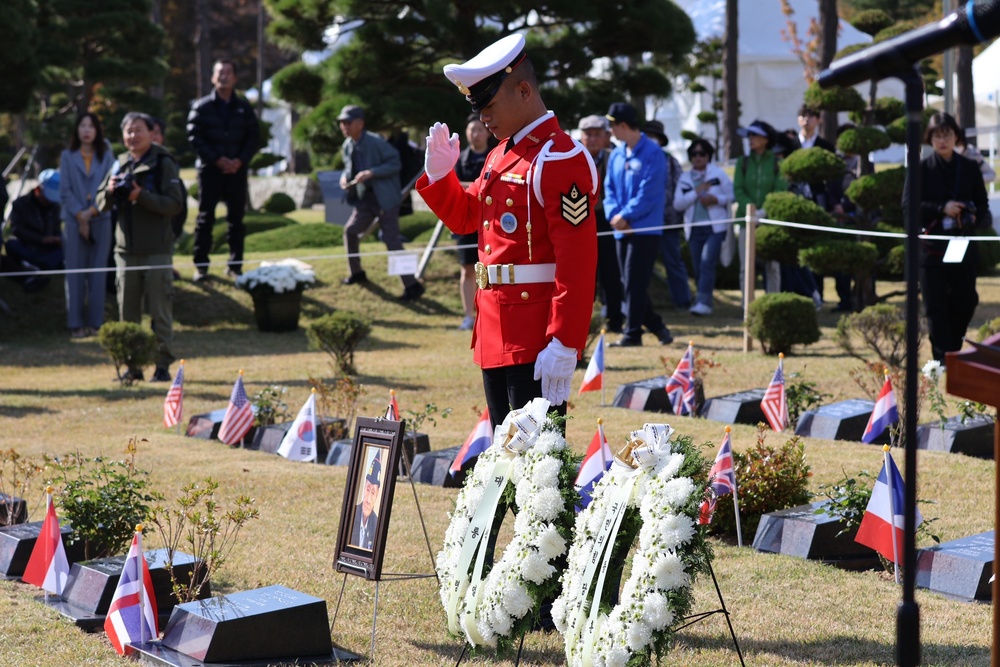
596	133
224	132
633	200
371	181
36	241
533	207
365	517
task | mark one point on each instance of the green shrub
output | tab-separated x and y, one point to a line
279	203
130	345
887	110
881	327
839	256
781	320
848	50
894	30
833	99
812	165
269	406
801	396
104	500
894	266
873	192
777	244
989	329
193	190
768	480
863	140
790	207
255	222
263	160
339	334
871	21
299	84
688	135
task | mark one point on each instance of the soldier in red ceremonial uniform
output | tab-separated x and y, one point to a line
533	207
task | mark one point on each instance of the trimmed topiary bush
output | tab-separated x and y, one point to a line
781	320
887	110
833	99
894	265
279	203
812	165
871	21
130	346
880	190
790	207
777	244
839	256
863	140
339	334
299	84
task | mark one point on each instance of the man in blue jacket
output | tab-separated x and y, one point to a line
634	198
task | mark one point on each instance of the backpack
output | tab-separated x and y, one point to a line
177	222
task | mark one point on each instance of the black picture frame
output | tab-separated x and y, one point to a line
361	538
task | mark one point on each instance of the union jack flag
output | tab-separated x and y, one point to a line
774	405
173	405
239	415
721	479
680	386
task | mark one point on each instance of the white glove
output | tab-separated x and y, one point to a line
442	152
554	367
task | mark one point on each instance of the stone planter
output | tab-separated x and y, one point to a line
277	312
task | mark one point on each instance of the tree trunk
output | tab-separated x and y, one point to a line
203	47
965	109
730	70
828	21
156	17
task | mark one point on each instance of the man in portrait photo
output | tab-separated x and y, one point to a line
365	517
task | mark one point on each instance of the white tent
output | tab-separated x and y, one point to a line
771	79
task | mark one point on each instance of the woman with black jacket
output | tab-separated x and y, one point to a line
953	202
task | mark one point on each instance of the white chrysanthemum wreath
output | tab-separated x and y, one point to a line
530	469
651	491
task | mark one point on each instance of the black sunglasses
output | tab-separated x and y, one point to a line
698	154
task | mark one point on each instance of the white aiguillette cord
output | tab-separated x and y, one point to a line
520	429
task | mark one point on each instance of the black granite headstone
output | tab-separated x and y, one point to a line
269	438
649	395
960	569
974	438
91	586
272	623
800	531
413	444
434	468
844	420
12	510
16	543
205	426
740	408
340	453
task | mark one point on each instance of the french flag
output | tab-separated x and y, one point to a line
48	567
132	615
478	442
392	412
596	462
884	415
593	379
882	525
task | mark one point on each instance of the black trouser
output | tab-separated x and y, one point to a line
636	254
950	301
213	187
510	387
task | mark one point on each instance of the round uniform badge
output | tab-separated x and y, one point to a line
508	222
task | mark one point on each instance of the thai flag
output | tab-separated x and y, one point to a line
173	405
299	443
593	379
721	479
478	442
680	386
132	615
48	567
596	462
774	405
239	415
884	415
884	513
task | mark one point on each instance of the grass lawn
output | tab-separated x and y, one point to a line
58	396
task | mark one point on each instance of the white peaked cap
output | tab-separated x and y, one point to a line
480	78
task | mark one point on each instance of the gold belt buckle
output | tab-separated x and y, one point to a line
482	276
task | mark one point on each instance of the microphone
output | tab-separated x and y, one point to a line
975	23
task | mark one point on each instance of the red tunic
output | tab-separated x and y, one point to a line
515	322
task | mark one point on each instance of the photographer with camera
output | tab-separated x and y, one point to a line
147	193
953	202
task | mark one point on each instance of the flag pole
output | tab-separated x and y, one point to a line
182	400
142	585
600	431
736	500
892	510
600	341
48	543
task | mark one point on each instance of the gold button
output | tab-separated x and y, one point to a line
524	295
486	224
510	202
488	249
489	200
480	196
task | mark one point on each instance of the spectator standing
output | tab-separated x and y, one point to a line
809	122
35	241
371	181
82	168
965	149
145	188
953	202
670	240
468	168
534	209
633	198
704	194
224	132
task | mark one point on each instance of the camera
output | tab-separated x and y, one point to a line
968	218
123	187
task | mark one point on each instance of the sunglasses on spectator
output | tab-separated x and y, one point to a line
699	154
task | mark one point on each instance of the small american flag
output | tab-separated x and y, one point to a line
680	386
774	405
173	405
721	479
239	415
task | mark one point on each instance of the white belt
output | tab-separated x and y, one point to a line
513	274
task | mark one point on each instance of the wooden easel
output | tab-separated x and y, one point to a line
974	373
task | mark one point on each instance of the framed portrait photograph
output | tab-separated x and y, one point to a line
371	482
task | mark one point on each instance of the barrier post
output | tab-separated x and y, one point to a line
749	271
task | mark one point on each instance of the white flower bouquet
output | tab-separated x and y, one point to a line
287	275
